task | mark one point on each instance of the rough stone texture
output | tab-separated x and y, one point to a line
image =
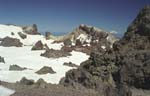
120	71
38	46
70	64
50	53
8	42
2	60
16	68
48	90
46	70
25	81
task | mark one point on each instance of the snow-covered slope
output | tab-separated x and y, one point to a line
32	60
12	31
7	30
24	57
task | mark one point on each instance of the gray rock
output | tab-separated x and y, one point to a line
8	42
16	68
50	53
118	70
41	83
23	36
25	81
46	70
70	64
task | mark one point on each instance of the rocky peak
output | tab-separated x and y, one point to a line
122	70
137	36
33	30
91	35
140	25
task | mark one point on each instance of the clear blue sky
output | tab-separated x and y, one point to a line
65	15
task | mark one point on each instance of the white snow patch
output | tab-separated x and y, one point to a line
103	47
24	57
5	91
6	30
84	38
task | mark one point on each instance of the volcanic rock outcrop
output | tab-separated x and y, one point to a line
8	42
51	53
16	68
122	70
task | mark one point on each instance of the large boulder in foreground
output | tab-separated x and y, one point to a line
122	70
8	42
45	70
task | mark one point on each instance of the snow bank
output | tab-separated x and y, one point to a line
7	30
32	60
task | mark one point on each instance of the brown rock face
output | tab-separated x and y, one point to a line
8	42
50	53
137	36
120	71
38	46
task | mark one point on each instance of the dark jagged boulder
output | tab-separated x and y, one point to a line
50	53
137	36
46	70
25	81
38	46
92	74
8	42
23	36
2	60
16	68
41	83
70	64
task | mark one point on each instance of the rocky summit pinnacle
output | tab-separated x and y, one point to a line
141	24
138	33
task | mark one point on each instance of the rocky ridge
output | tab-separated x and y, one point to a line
122	70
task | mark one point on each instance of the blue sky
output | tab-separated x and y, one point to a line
65	15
